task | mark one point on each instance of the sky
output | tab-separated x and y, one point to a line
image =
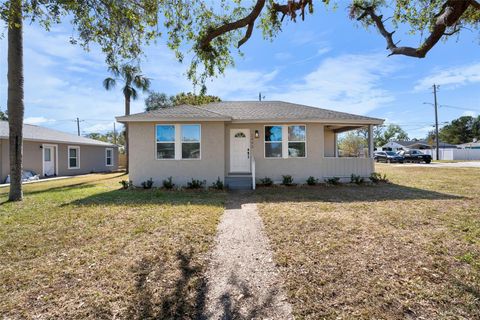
325	61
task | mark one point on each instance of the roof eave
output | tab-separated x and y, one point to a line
371	121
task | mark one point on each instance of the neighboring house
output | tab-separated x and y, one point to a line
54	153
470	145
238	142
414	144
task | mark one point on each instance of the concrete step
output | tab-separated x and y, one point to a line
239	182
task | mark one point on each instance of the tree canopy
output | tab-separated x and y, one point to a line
389	133
462	130
157	100
214	30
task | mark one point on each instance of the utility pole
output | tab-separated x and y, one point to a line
260	96
114	134
435	87
78	127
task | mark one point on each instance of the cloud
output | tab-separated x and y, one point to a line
451	77
99	127
350	83
37	120
470	113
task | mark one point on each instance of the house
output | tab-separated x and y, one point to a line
54	153
470	145
240	142
397	145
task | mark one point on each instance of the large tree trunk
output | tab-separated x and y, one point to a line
127	113
15	98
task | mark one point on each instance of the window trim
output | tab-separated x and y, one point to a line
178	142
78	157
284	140
106	157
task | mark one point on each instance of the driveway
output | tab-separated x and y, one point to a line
463	164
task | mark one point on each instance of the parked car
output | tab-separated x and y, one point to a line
415	156
387	156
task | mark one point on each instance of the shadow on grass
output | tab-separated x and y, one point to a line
338	194
183	299
152	196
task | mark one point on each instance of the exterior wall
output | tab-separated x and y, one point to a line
144	165
92	159
329	138
315	164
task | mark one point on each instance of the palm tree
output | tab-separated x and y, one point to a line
15	98
133	79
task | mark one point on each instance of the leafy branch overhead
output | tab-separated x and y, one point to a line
216	30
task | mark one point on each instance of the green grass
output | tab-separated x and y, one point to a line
82	248
390	251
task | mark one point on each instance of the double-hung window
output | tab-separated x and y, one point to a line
285	141
109	157
73	157
178	141
165	141
273	142
296	141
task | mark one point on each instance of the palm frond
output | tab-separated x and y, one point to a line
141	82
134	94
109	83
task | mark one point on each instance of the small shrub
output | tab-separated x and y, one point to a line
376	177
332	181
126	184
195	184
168	183
356	179
287	180
218	185
147	184
311	181
266	182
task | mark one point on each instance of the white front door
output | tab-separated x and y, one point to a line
48	161
239	150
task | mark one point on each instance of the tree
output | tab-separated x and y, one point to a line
3	116
161	100
132	79
215	29
391	132
119	27
110	137
156	100
461	130
352	144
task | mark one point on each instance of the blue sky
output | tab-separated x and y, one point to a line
325	61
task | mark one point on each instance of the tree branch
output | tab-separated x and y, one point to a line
449	15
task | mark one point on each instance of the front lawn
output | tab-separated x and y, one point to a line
81	248
410	249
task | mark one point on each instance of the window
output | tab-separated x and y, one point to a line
165	137
285	141
73	157
273	141
178	141
240	135
48	154
190	141
296	141
109	157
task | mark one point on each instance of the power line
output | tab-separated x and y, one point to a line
460	108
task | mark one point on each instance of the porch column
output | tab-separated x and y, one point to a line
370	141
335	146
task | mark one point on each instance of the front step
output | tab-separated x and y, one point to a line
239	182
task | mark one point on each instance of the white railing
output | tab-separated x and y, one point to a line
252	160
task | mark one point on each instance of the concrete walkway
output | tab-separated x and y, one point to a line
243	282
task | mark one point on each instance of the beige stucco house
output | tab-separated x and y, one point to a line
51	153
241	142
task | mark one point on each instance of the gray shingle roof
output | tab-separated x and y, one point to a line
249	111
183	112
36	133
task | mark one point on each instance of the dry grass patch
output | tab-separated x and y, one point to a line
410	249
82	248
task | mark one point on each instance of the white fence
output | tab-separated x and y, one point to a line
455	154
